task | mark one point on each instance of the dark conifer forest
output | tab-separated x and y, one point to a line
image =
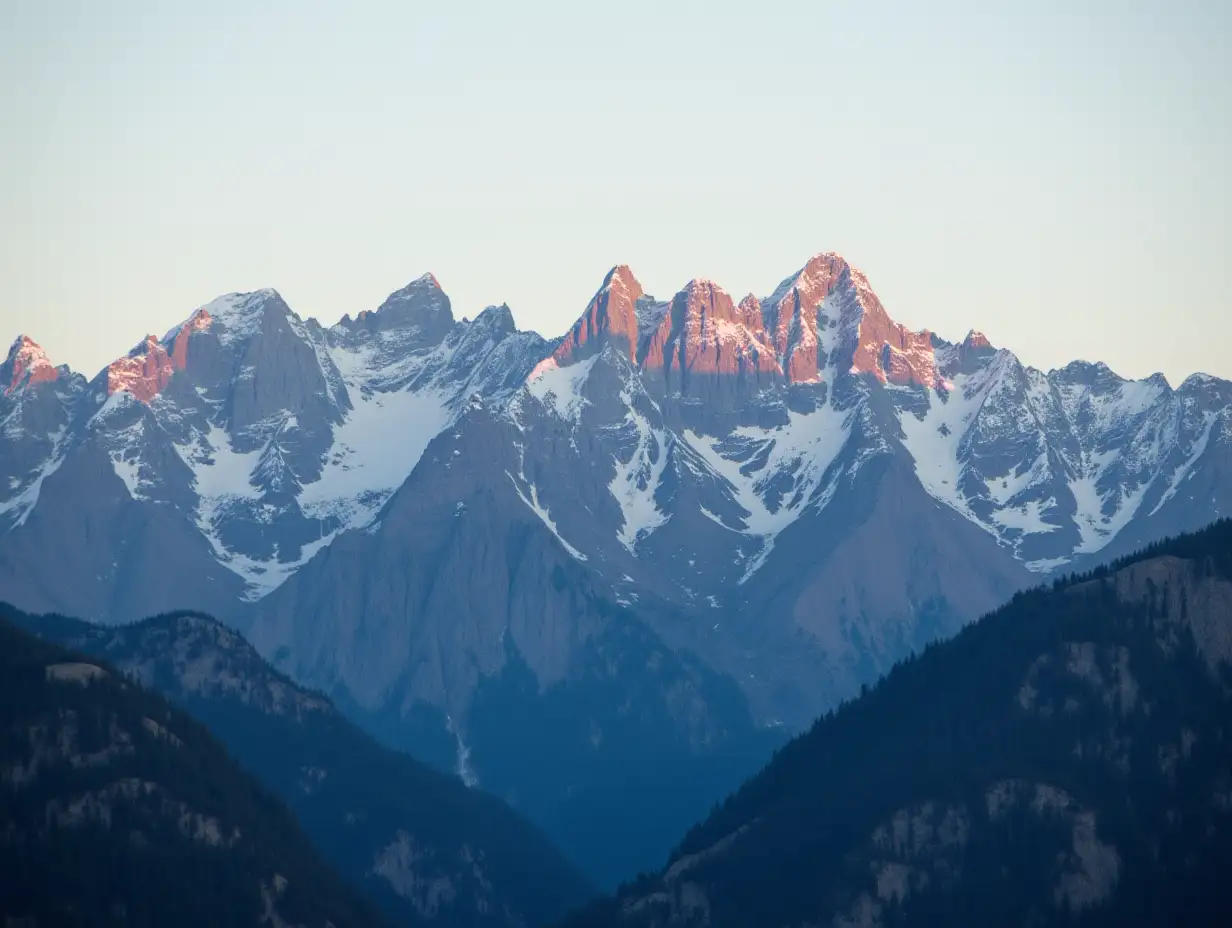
118	809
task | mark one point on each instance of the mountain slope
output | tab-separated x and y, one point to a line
427	848
1065	760
120	810
392	624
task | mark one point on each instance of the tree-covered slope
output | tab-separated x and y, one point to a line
117	809
420	843
1066	760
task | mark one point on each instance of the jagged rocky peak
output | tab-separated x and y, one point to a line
1096	376
705	332
233	317
611	316
26	366
825	317
977	341
855	335
146	370
497	320
421	305
231	321
974	353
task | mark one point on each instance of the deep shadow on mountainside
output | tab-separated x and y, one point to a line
117	809
417	842
1067	760
460	624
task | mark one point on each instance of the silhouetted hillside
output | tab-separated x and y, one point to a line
417	841
117	809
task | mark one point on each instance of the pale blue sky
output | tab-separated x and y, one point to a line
1053	173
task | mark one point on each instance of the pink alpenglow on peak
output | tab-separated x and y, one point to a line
977	340
868	340
30	365
610	316
146	372
824	318
704	332
792	312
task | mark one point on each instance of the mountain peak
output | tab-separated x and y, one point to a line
420	305
621	277
27	364
705	332
611	316
868	340
791	315
497	318
237	315
977	341
144	372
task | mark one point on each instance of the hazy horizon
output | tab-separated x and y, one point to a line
1055	178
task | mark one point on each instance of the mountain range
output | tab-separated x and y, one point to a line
665	540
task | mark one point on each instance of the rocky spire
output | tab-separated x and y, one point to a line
705	332
860	337
611	316
26	365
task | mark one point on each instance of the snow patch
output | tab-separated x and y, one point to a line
1027	518
463	768
374	451
560	387
532	502
129	470
1199	449
637	480
1095	528
238	314
24	502
934	440
1046	565
791	464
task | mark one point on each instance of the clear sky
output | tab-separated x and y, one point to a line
1056	174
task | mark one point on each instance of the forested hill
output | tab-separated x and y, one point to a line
1065	760
117	809
420	843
